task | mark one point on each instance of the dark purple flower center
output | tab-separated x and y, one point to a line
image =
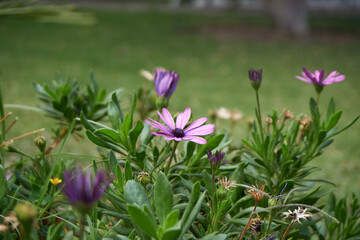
178	132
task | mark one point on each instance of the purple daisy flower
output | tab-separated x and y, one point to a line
79	188
172	131
165	82
216	160
318	78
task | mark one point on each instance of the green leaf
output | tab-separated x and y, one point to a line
119	178
193	214
334	119
315	112
110	133
142	219
135	132
347	126
163	197
86	123
331	109
212	143
195	193
207	179
127	125
133	107
172	219
112	162
135	193
114	115
128	171
171	233
214	236
3	182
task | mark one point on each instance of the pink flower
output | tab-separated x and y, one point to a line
318	78
178	132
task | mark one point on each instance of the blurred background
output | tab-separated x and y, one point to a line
211	43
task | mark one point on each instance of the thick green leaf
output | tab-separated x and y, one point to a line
334	119
214	236
135	132
331	109
163	197
172	219
112	162
114	115
135	193
172	233
142	219
119	178
128	171
110	133
193	214
195	193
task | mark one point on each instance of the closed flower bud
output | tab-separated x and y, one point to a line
40	142
26	212
144	178
272	202
255	77
221	192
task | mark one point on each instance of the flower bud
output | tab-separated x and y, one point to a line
255	77
26	212
272	202
40	142
144	178
221	192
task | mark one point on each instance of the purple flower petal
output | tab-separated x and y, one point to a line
183	118
308	74
194	139
202	130
158	126
163	134
173	85
167	118
195	124
304	79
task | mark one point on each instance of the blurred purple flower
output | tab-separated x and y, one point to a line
318	78
172	131
255	77
165	82
79	188
216	160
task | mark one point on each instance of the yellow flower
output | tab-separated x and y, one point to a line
55	181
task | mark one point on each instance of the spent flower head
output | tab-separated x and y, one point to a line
81	192
165	82
227	184
216	160
318	78
297	214
256	195
178	132
255	77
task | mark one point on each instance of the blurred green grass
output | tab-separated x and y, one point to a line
212	52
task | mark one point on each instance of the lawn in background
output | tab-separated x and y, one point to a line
212	53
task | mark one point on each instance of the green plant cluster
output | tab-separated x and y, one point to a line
265	191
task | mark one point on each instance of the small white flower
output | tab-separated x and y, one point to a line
224	113
236	115
297	214
147	75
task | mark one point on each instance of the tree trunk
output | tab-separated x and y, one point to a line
290	16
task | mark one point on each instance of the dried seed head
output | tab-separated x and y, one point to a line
256	195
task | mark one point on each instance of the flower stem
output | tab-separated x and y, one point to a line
247	224
259	115
287	230
171	157
82	226
212	215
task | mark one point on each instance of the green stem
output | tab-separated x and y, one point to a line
82	226
259	115
171	157
269	223
212	215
